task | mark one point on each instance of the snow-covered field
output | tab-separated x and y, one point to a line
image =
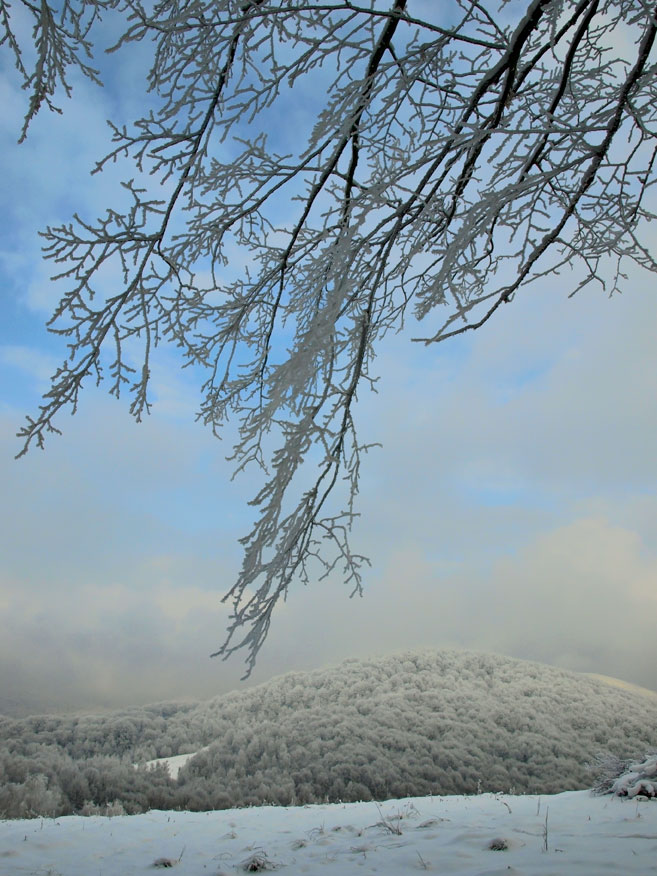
570	834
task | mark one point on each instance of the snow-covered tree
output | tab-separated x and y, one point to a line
308	176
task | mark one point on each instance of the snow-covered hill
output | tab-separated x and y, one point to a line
415	723
412	724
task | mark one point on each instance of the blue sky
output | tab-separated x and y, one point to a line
512	508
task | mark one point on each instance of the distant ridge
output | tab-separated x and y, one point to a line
412	724
624	685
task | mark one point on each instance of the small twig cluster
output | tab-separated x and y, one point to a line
258	862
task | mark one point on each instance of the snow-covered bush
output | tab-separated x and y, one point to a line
106	809
640	778
625	778
34	798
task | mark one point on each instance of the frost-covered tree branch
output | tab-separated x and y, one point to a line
313	175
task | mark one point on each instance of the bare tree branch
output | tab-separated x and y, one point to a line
375	165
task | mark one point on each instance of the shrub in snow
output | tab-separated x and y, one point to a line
640	778
106	809
606	768
626	778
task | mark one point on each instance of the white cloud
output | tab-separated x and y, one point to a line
582	596
33	362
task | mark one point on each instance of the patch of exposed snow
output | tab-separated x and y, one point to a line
175	763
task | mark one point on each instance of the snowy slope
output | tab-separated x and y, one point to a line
586	836
174	764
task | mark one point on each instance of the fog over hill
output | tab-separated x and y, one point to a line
417	723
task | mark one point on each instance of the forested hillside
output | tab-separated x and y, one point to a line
413	724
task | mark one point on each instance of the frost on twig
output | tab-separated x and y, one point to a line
444	156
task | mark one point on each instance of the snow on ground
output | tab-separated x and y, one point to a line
485	835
